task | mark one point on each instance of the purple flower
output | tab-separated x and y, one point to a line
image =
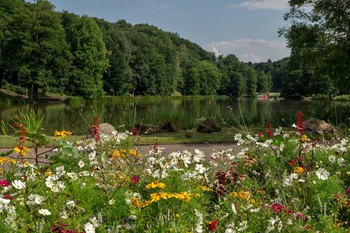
347	190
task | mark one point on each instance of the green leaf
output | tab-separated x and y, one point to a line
5	154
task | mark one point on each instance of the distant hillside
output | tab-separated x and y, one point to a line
65	53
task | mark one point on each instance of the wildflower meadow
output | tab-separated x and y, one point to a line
280	181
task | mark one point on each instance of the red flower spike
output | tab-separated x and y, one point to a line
95	129
213	225
155	147
135	131
300	123
269	130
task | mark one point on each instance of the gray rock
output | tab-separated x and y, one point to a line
106	128
314	125
208	126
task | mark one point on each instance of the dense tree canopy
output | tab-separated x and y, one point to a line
46	51
319	37
36	51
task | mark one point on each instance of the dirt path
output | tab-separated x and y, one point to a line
207	148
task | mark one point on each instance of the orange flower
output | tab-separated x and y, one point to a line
132	153
298	170
62	134
21	150
155	184
157	196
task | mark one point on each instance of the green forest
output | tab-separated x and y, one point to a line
42	50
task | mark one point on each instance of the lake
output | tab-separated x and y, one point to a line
122	112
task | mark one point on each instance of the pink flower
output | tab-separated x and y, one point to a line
4	183
277	207
9	197
347	190
135	179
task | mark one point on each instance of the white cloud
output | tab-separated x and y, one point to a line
251	50
262	4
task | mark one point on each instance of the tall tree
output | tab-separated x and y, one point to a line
319	36
192	81
210	78
118	78
36	49
90	57
264	82
7	9
251	80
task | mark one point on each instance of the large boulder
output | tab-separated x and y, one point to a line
208	126
314	125
106	128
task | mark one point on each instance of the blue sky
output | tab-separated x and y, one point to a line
246	28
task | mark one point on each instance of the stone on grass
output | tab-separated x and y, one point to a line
208	126
314	125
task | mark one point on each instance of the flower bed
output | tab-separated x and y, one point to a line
279	182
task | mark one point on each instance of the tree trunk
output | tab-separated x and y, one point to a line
33	94
30	93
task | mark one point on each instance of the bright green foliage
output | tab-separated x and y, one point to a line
319	39
264	82
35	47
210	77
192	82
47	51
251	81
118	78
235	76
89	56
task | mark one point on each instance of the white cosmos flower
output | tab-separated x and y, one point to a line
238	137
332	159
84	173
49	182
341	162
44	212
198	156
81	164
70	203
17	184
4	201
35	199
89	228
60	171
200	168
322	174
282	147
199	228
72	175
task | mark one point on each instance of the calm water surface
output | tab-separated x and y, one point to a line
123	112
